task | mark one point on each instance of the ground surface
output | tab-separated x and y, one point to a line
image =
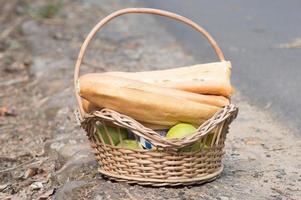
44	154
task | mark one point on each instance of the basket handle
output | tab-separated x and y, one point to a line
105	20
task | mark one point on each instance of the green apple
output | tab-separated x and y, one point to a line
113	132
181	130
130	144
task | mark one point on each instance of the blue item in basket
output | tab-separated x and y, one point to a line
146	144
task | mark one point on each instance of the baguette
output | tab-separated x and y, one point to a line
89	107
210	78
213	100
144	102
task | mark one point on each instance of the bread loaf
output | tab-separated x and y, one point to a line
210	78
145	102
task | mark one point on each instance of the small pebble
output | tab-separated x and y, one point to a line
36	185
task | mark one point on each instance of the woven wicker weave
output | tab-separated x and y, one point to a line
162	165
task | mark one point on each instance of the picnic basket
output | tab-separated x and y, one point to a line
163	165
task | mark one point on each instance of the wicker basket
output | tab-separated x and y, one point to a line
162	165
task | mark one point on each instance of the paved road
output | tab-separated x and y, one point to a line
249	33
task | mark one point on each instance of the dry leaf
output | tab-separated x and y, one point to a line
31	172
4	111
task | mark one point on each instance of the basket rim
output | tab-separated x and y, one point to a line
224	116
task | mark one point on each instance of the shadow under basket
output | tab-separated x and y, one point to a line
165	164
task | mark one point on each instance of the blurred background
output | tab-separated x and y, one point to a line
262	39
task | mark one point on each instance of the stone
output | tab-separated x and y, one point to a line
67	191
79	166
36	185
67	146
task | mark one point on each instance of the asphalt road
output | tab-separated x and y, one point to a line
254	36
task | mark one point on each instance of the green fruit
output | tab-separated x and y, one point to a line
209	139
192	148
113	132
130	144
181	130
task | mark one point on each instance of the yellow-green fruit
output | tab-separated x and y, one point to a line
113	132
181	130
130	144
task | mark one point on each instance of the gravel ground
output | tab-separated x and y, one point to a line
45	154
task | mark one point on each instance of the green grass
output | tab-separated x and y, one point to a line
49	10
